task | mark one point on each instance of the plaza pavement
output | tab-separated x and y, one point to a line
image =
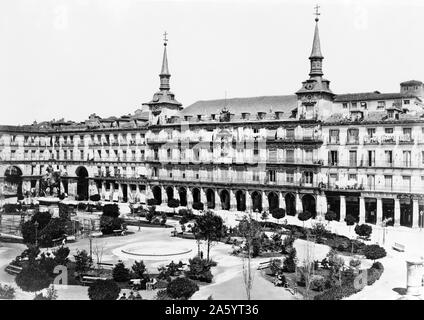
228	276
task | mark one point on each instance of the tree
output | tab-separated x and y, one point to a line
278	213
209	227
181	288
139	268
32	278
151	213
199	269
330	215
120	273
111	210
103	290
249	229
350	220
303	216
108	224
173	203
374	252
363	230
289	264
98	252
83	261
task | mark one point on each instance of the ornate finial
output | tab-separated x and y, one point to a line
316	13
165	39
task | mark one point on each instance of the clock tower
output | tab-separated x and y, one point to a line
315	97
163	105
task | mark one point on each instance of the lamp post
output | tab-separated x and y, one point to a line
36	224
384	224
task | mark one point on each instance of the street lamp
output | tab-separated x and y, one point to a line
36	224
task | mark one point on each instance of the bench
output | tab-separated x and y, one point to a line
119	232
107	265
90	279
71	238
13	270
398	247
264	265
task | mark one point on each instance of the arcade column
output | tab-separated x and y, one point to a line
342	208
397	213
361	210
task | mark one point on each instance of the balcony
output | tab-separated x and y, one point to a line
406	139
352	141
333	141
388	139
371	140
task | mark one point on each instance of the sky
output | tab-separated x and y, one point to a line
69	59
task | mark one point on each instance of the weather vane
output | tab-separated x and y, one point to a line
316	13
165	39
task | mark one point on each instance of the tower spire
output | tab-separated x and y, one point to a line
164	74
316	55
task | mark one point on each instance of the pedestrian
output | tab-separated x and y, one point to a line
201	255
138	296
123	297
131	296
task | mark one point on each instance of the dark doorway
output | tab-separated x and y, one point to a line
225	200
273	201
256	201
183	196
370	210
157	194
210	198
290	204
406	212
241	200
82	183
308	204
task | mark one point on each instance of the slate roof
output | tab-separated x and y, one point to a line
365	96
237	106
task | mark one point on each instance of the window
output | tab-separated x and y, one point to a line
371	158
290	155
407	132
353	136
333	158
169	153
344	105
407	158
334	136
354	105
308	156
352	176
389	157
352	158
422	157
371	132
388	182
271	175
381	104
290	176
388	130
81	154
156	154
255	176
371	181
290	133
405	101
155	172
308	177
364	104
406	183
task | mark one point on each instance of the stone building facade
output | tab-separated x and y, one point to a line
360	153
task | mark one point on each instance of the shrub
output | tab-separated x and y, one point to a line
278	213
350	220
138	269
82	206
199	269
355	263
51	294
7	292
152	202
95	197
151	212
108	224
363	230
304	215
32	278
111	210
162	295
156	220
181	288
319	231
62	196
83	261
198	206
275	266
330	215
318	283
173	203
289	264
120	273
288	243
103	290
10	207
374	252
